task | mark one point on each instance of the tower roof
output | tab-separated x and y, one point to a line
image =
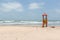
44	14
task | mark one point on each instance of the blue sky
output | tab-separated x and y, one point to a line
29	9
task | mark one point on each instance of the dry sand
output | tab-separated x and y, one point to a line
29	33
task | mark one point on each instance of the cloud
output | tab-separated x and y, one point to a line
33	6
7	7
42	3
36	5
57	10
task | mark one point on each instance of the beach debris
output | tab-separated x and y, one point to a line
52	26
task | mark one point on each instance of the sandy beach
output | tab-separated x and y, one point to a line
29	33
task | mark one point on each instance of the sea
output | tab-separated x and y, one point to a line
24	22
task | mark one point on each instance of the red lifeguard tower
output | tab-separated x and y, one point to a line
44	20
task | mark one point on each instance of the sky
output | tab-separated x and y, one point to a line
29	9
